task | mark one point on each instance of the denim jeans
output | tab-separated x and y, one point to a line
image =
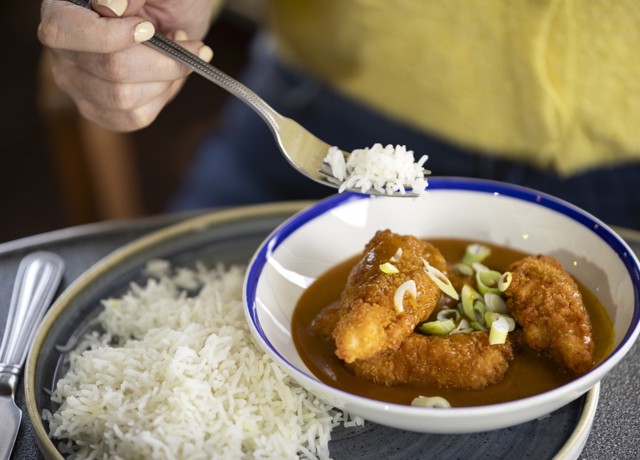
239	162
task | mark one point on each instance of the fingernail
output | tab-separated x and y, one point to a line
143	31
205	53
117	6
180	35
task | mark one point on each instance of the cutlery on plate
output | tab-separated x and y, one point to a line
304	151
37	280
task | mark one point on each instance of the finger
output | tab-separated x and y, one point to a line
121	96
64	25
132	120
139	64
117	8
112	8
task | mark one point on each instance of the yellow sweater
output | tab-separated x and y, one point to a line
551	82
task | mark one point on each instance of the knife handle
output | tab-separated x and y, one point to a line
37	280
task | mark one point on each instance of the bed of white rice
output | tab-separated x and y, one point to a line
178	376
384	169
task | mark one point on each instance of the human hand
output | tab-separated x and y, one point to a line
97	60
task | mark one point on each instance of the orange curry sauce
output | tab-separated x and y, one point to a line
529	373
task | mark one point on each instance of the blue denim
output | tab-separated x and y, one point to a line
239	163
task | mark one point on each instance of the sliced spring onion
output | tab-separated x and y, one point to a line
463	269
505	281
463	327
475	253
398	297
448	313
430	401
440	279
495	302
478	325
437	327
469	297
499	331
486	279
396	256
479	309
478	267
490	317
389	268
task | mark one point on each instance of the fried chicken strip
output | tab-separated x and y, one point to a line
464	361
369	324
546	302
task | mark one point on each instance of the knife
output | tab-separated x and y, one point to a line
37	280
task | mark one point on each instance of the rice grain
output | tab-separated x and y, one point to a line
178	376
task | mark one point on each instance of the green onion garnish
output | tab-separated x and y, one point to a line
396	256
389	268
437	327
482	306
490	317
398	297
495	302
440	279
499	331
487	279
475	253
448	313
505	281
469	297
464	269
430	401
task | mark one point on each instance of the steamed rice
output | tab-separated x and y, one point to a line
384	169
179	376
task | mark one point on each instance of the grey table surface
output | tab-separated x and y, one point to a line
616	428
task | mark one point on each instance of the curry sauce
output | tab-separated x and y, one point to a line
529	372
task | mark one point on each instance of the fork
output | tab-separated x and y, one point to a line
304	151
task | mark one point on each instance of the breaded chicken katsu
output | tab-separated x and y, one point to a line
546	302
465	361
461	339
369	322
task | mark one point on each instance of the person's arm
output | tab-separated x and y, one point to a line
99	61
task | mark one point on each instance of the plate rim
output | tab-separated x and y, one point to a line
578	439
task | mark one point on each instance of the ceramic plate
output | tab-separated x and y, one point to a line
231	237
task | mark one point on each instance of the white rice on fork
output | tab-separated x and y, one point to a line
384	169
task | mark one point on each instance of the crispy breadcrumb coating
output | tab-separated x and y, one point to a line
369	324
464	361
546	302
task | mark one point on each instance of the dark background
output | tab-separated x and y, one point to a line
32	192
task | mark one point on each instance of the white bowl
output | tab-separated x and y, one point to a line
328	232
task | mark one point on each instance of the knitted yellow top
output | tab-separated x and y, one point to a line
551	82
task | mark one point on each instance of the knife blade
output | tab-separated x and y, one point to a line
37	280
11	417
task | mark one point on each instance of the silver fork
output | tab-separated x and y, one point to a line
304	151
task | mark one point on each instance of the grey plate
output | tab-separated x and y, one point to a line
231	237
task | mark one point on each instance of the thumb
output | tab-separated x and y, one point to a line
117	8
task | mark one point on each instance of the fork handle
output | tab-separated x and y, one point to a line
203	68
211	73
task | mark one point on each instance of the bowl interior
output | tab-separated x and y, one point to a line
329	232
